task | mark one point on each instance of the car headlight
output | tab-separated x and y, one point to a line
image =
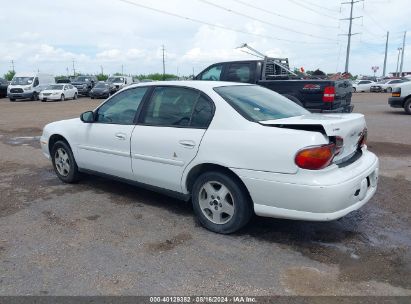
55	93
27	88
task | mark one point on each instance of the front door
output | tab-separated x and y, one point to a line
168	135
104	146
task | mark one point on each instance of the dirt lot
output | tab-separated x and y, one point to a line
101	237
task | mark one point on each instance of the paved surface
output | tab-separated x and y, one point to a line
101	237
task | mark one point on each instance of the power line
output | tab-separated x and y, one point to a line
313	10
262	21
321	7
283	16
217	25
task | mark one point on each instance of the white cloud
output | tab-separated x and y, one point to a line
113	34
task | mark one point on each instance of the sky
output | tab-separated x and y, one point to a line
128	35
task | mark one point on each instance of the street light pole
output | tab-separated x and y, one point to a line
398	61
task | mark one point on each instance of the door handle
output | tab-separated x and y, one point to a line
120	136
189	144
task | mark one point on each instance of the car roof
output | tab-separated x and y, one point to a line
196	84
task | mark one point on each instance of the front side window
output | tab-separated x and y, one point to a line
213	73
239	72
121	108
256	103
175	106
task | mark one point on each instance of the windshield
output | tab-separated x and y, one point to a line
55	87
383	81
22	80
101	85
82	79
115	79
256	103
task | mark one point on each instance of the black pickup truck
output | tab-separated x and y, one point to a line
316	95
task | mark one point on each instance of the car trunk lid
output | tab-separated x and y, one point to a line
349	127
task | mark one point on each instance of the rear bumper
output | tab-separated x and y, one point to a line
345	109
314	196
396	102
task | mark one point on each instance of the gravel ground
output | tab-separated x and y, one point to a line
101	237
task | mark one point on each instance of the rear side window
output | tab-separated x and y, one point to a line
202	114
180	107
239	72
213	73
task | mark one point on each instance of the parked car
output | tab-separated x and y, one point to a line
385	85
3	87
101	90
119	82
233	149
401	97
63	80
84	84
59	92
316	95
362	86
28	85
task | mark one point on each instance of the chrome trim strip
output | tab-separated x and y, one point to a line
166	161
107	151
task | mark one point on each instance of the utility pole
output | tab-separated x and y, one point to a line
74	69
347	57
164	63
102	71
385	56
398	61
12	66
402	55
122	69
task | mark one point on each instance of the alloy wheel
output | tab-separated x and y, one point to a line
62	162
216	202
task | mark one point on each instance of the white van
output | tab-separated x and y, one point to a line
28	85
119	82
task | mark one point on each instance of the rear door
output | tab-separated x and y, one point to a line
168	135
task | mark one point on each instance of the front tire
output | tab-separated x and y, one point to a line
75	96
64	163
407	106
12	99
221	203
388	90
62	98
354	90
35	96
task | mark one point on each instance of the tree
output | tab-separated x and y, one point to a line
102	77
9	75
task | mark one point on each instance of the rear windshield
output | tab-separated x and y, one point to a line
55	87
256	103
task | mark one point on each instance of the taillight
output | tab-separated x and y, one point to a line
329	94
316	157
363	138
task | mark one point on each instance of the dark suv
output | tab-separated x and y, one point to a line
84	84
3	87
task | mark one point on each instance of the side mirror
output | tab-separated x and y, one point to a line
87	117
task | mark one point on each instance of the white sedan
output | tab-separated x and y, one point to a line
58	92
233	149
362	86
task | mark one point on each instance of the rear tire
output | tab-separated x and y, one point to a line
221	203
354	90
64	163
388	90
12	99
407	106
